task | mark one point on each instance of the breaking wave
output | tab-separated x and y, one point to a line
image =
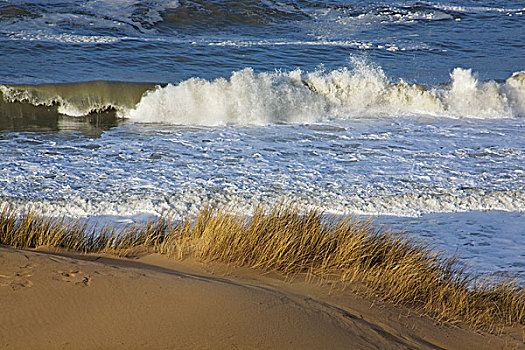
73	99
250	98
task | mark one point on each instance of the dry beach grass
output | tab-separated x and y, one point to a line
389	265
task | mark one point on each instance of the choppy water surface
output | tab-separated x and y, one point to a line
412	111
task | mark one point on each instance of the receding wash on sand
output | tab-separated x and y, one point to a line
387	265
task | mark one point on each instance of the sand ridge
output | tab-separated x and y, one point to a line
56	300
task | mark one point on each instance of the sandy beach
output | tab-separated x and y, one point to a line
55	300
281	174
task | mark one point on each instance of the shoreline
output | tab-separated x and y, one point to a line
54	298
281	278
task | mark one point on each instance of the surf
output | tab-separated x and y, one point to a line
248	97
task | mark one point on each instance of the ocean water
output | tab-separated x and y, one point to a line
412	112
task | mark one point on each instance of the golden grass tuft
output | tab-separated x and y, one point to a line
391	266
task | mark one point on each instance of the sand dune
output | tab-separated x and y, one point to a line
55	300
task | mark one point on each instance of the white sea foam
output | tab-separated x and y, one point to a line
467	96
355	44
124	11
245	201
125	17
479	9
249	98
341	23
378	166
397	15
65	38
297	96
246	98
250	43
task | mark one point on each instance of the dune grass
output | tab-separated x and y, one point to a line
390	265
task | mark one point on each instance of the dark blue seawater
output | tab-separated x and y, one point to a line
412	111
169	41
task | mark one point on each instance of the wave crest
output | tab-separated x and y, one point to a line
304	97
250	98
78	99
246	98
